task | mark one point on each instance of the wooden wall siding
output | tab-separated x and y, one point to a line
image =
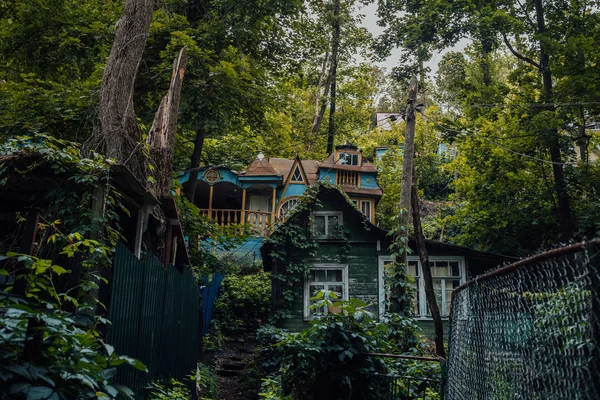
362	278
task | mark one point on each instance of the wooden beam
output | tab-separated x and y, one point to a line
243	221
140	228
210	200
273	207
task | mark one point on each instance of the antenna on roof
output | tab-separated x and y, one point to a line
260	156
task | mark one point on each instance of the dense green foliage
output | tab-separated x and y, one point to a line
205	379
325	360
255	77
244	300
72	360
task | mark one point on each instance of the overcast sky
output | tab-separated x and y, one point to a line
370	22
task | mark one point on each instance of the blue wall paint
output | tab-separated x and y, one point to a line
323	173
183	177
368	185
295	189
225	175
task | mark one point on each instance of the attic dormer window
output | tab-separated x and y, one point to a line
348	159
297	175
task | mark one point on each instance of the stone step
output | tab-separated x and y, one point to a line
227	372
236	366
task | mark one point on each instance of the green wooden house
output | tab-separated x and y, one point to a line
329	244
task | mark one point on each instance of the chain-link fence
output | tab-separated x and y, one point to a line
530	330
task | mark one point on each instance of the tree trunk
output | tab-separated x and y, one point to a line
333	75
318	115
424	257
564	206
161	137
190	186
403	216
120	132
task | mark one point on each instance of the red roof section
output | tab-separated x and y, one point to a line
284	166
261	167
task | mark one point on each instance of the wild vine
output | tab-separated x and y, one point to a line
295	238
72	360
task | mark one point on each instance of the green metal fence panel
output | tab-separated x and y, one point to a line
155	313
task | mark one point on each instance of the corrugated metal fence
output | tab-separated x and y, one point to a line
155	316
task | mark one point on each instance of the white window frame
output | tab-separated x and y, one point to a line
286	201
380	276
326	214
370	208
351	154
422	312
344	284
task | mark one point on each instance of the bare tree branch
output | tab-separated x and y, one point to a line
533	24
519	55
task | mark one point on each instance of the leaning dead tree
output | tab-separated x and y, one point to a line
120	136
396	305
426	269
161	137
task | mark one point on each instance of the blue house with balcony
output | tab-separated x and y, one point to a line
269	189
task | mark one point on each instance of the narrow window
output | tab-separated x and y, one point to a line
348	159
365	208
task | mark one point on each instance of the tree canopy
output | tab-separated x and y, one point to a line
506	159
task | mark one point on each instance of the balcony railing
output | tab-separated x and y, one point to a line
260	222
347	178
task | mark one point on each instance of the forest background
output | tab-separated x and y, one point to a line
506	154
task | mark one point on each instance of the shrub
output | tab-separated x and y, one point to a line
207	382
73	361
327	357
174	390
244	300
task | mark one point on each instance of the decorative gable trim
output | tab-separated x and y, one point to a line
297	165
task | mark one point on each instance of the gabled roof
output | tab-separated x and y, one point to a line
381	234
284	167
261	167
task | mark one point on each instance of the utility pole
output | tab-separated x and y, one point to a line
428	280
397	292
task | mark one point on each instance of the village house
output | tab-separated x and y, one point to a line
353	265
269	189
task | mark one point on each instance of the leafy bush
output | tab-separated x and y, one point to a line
73	362
327	358
244	300
207	381
174	390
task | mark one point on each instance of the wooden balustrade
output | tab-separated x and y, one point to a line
260	222
347	178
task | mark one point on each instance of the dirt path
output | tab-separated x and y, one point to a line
230	363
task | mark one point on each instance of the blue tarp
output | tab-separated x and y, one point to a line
210	293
